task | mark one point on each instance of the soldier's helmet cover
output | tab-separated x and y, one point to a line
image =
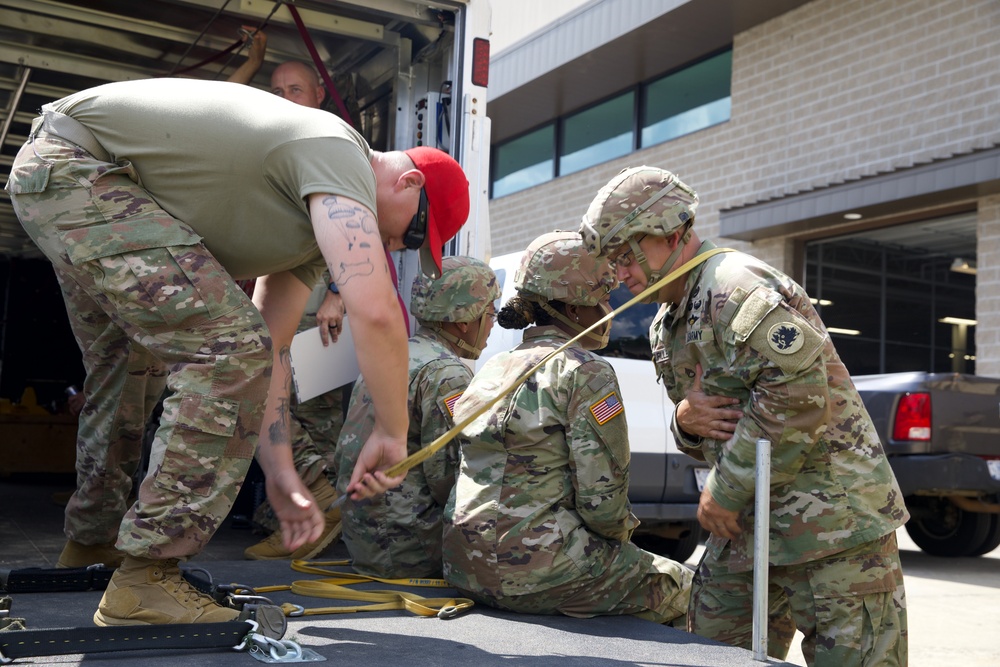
639	200
462	293
557	267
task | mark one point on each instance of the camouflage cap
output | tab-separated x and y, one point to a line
556	266
639	200
462	293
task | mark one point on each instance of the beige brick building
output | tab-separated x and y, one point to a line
884	109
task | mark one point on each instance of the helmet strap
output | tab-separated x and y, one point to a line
575	326
464	350
481	335
654	276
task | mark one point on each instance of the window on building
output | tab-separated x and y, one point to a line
893	300
687	101
598	134
524	162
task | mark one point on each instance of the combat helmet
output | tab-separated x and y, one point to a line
557	267
462	293
637	202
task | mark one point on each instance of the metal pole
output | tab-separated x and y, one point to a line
14	101
761	532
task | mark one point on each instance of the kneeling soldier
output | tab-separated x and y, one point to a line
399	534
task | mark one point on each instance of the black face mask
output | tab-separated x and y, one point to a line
416	233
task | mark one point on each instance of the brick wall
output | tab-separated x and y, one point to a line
988	288
833	91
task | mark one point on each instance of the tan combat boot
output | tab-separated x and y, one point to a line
154	592
273	547
75	554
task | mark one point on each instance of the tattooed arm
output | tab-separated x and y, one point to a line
349	239
281	299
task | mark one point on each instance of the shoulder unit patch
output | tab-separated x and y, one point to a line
785	337
788	339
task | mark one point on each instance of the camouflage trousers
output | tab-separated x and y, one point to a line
850	607
316	426
124	381
658	592
143	294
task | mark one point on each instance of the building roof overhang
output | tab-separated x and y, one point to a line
941	182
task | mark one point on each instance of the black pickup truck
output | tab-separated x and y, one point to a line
941	432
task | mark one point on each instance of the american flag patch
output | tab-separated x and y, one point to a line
449	403
607	408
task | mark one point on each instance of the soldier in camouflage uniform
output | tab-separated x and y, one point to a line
540	521
744	355
152	197
399	534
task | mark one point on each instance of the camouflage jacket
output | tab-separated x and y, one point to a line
398	534
541	496
759	339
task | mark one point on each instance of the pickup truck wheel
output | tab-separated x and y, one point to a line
992	540
679	549
940	528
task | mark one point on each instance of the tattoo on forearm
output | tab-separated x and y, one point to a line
279	432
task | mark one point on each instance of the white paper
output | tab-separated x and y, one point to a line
317	369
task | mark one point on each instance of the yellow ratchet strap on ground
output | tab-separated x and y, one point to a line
320	567
336	588
428	451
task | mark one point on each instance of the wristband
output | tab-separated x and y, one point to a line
333	288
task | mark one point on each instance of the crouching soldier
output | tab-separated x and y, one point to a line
399	534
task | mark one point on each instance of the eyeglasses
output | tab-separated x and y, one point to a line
416	233
625	258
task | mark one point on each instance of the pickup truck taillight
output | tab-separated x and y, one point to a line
913	418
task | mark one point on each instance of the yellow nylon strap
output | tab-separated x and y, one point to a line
428	451
335	588
381	600
347	578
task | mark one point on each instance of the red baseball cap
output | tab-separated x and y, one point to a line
447	191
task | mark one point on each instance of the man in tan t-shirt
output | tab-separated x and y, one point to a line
236	184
